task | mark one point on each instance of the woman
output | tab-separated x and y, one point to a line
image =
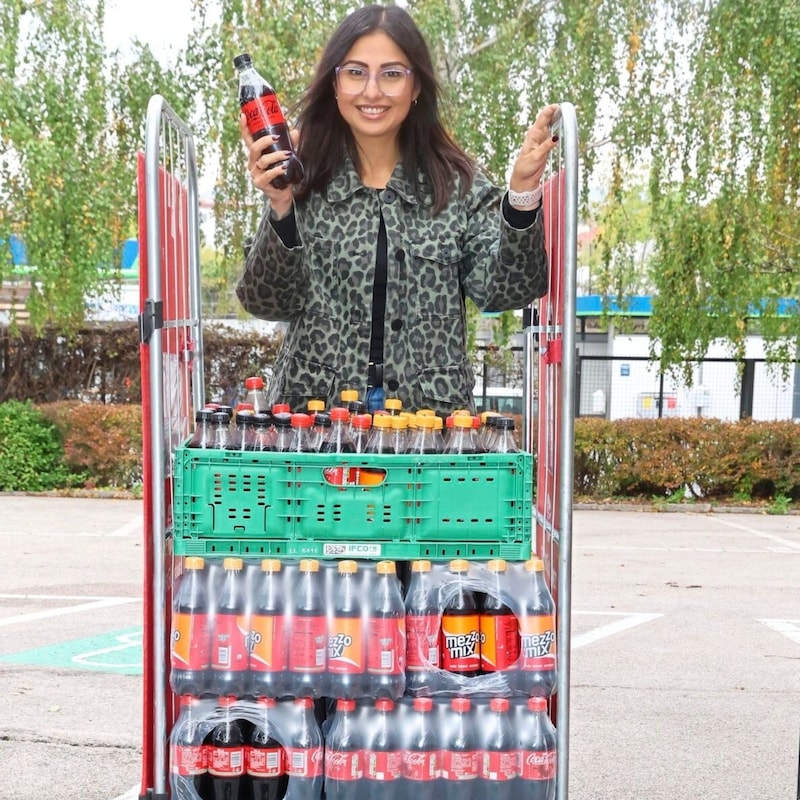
370	258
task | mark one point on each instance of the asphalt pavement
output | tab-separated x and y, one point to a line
685	658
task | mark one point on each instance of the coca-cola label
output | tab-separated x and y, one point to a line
226	762
188	759
383	765
190	643
342	765
500	642
420	765
309	644
229	643
346	646
263	112
537	642
386	646
268	644
461	643
304	762
460	765
422	647
265	762
537	765
500	765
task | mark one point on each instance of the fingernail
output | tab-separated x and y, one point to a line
275	137
555	138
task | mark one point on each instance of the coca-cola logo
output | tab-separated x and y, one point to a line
316	757
546	758
334	759
415	759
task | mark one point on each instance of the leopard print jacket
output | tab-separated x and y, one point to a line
323	287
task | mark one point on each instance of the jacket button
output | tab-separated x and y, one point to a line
397	324
400	254
393	385
389	196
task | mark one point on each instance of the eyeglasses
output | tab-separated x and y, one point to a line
353	79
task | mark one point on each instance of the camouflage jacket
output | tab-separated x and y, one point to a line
323	287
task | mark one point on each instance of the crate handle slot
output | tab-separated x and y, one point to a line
364	477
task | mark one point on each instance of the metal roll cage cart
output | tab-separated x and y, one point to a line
173	387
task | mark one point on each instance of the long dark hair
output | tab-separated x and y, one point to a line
425	145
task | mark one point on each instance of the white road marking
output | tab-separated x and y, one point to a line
790	628
131	794
624	623
105	602
136	525
628	548
755	532
127	641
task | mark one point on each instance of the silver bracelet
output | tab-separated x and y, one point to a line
525	201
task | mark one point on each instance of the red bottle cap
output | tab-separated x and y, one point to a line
460	704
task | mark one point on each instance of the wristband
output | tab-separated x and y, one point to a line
525	201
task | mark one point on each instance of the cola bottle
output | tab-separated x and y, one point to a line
304	754
337	437
536	738
203	434
502	440
230	657
386	634
424	440
536	675
309	639
346	636
301	438
190	642
343	752
320	428
423	655
382	753
226	749
188	755
265	118
463	439
460	639
460	756
419	764
499	627
243	434
221	428
263	433
282	427
500	757
380	437
255	394
269	639
265	762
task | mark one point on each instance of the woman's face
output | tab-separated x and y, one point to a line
371	113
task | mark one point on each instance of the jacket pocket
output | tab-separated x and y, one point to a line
451	385
323	277
435	277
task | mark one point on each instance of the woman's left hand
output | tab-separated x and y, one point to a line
528	169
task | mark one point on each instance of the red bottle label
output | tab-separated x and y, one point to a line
458	765
265	762
537	765
263	112
343	765
309	642
302	762
226	762
188	759
268	643
346	646
499	642
383	765
422	648
229	651
461	643
386	648
537	642
500	766
190	643
420	765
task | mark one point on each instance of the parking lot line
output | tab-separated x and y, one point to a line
105	602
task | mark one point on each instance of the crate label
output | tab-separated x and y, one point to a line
363	549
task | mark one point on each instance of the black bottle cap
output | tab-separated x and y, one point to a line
242	60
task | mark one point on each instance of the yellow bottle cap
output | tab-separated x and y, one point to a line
382	421
385	568
349	395
496	565
316	405
425	422
193	562
426	412
309	565
399	423
232	563
534	565
393	404
462	421
459	565
270	565
348	567
421	566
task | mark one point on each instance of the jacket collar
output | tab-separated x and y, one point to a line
346	182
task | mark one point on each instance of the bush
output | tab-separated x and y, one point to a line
31	451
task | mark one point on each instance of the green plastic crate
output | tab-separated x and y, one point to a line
436	506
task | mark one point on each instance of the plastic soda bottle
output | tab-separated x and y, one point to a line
420	757
309	638
190	642
382	753
463	439
500	757
343	754
230	657
499	627
536	738
386	634
502	440
423	655
460	756
255	394
226	753
380	438
304	754
265	762
460	638
536	675
203	435
346	636
188	754
269	641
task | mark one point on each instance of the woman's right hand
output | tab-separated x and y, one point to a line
264	166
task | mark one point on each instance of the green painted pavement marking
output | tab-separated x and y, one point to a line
119	652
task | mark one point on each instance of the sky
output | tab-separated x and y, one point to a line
163	24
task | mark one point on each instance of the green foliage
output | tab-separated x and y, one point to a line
31	451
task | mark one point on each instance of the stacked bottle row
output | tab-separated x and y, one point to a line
252	426
352	629
456	749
